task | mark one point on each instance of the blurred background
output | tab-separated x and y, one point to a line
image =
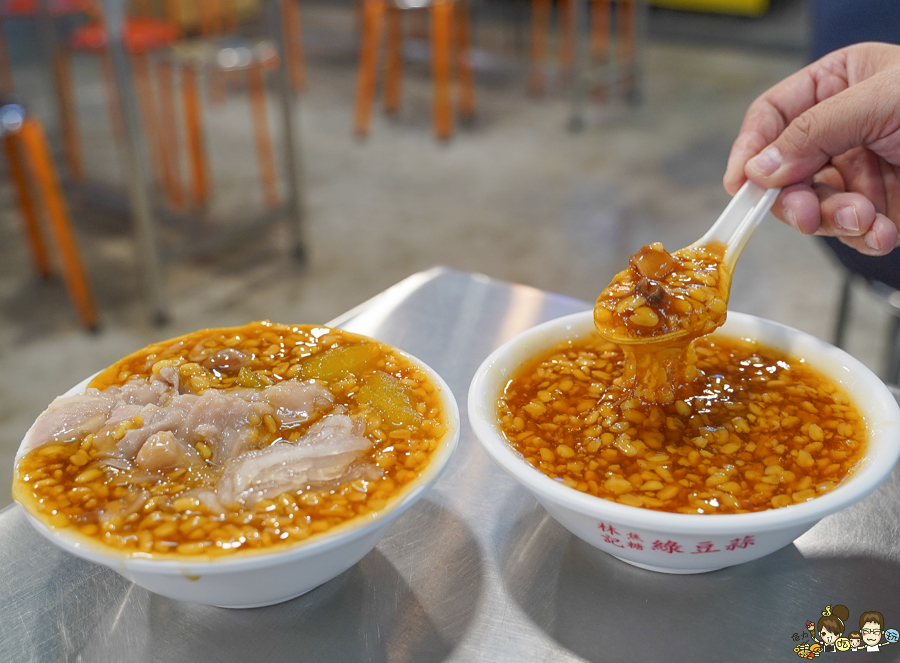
212	162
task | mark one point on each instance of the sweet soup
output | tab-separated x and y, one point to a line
667	420
683	294
753	429
229	440
654	413
656	307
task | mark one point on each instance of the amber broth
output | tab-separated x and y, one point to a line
753	430
66	486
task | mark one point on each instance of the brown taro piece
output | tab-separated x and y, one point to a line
228	440
227	361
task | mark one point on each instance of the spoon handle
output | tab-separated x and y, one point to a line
739	219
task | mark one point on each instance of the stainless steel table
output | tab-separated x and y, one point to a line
477	571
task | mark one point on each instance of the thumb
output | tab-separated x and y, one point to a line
856	116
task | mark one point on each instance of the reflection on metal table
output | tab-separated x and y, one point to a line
477	571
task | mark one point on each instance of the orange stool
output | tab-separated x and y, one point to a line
29	9
31	165
449	41
232	56
218	18
140	36
224	58
600	40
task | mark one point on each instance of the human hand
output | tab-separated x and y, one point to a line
830	135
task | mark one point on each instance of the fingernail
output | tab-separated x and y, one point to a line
847	219
767	161
790	217
872	241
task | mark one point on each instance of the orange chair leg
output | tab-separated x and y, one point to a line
193	137
173	12
600	42
441	30
230	16
626	37
373	17
218	22
17	169
210	17
464	61
625	30
600	24
256	87
6	76
62	74
540	34
47	184
168	135
567	10
393	69
293	41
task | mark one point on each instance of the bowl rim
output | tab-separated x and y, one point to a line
346	532
844	369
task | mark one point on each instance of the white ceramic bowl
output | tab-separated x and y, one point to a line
254	579
730	539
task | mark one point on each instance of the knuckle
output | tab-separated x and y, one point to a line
801	133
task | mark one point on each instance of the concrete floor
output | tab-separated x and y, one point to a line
516	196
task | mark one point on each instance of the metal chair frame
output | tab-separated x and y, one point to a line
890	297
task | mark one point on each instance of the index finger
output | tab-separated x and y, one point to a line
770	114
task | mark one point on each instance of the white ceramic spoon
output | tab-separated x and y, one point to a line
733	228
738	221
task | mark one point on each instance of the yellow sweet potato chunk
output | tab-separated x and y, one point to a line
386	394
